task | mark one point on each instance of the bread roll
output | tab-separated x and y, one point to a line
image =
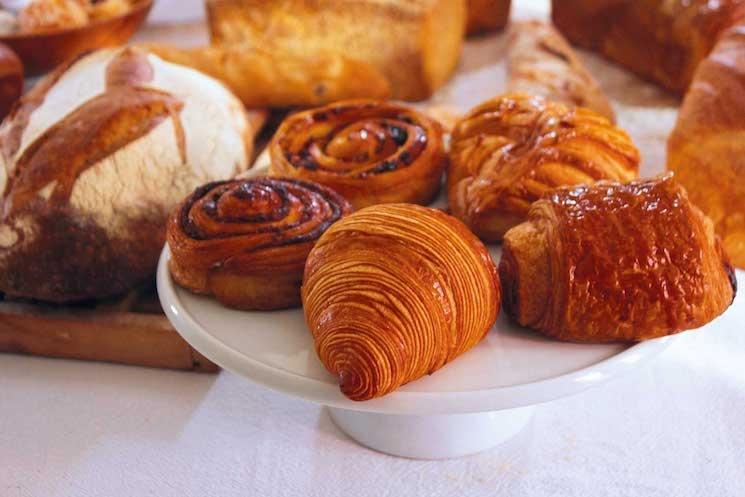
487	15
394	292
95	157
660	40
615	262
507	152
245	241
414	43
541	62
707	147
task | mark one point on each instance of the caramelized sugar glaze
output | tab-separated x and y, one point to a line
370	152
621	262
394	292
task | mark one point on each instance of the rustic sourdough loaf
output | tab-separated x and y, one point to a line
94	158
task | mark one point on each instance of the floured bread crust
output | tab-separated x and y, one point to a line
94	160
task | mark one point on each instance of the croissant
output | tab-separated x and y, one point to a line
394	292
264	76
541	62
615	262
487	15
506	153
370	152
660	40
707	146
246	241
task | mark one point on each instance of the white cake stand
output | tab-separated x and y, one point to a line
476	402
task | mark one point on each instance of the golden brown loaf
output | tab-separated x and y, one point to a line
93	159
506	153
660	40
615	262
487	15
273	77
370	152
11	79
707	147
245	241
414	43
380	322
541	62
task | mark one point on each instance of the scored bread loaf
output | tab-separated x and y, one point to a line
414	43
660	40
95	157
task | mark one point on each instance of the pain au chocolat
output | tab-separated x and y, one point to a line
507	152
93	159
245	241
394	292
369	151
615	262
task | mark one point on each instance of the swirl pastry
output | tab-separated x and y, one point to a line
246	241
615	262
506	153
380	322
370	152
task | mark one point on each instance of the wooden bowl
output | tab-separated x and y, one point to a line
43	50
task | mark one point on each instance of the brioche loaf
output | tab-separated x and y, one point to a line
414	43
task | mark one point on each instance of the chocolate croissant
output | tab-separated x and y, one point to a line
394	292
506	153
370	152
246	241
615	262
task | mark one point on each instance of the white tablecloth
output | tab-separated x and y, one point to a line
73	429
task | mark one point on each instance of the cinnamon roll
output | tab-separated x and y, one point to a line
245	241
507	152
370	152
395	292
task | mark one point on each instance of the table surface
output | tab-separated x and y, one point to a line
673	428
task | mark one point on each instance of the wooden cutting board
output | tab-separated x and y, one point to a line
132	330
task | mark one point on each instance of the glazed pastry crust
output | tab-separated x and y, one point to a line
245	242
380	322
506	153
541	62
487	15
615	262
707	147
371	152
660	40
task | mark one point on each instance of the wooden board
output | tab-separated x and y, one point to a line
132	330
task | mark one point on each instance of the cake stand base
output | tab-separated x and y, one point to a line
432	437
